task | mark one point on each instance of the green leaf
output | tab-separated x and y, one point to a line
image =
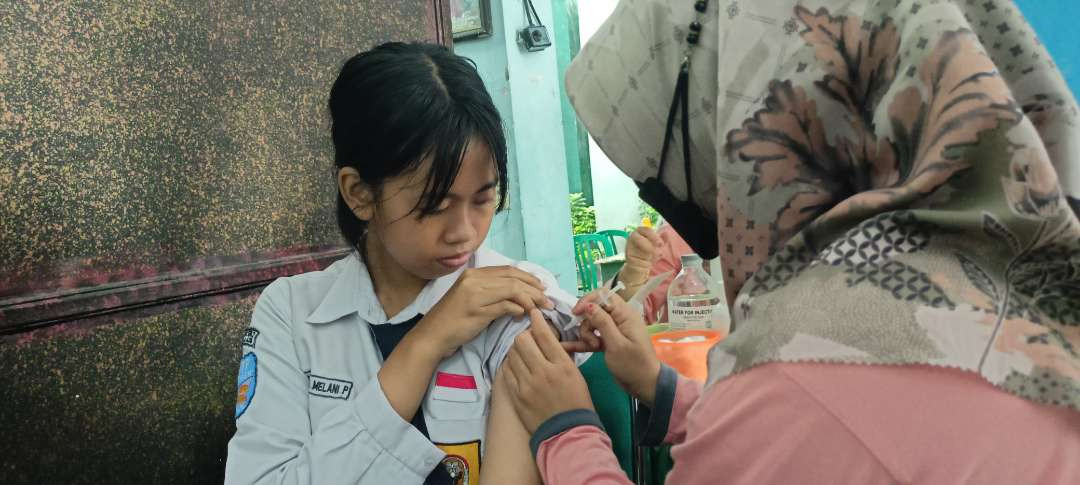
582	216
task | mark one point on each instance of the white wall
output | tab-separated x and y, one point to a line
614	194
524	87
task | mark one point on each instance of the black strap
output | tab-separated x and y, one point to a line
681	99
684	76
387	337
688	219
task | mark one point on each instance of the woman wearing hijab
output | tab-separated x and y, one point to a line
896	195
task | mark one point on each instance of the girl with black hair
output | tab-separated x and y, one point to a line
381	368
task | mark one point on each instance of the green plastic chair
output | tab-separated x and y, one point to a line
585	246
611	234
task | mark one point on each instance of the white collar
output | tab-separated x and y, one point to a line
352	291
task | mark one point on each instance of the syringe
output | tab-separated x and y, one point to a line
605	296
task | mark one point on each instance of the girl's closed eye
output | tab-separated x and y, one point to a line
487	195
439	209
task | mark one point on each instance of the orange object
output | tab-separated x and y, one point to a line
688	358
645	221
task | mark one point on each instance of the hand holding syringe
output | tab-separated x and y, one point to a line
636	302
605	295
612	326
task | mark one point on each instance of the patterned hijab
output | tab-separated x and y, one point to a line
896	181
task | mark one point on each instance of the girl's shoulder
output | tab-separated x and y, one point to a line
305	294
320	281
561	317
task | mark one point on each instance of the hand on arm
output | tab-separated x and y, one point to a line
478	297
544	383
542	378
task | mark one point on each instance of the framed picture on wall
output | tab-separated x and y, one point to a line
470	18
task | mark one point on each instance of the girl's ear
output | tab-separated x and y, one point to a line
358	195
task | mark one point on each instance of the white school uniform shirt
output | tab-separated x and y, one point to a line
310	409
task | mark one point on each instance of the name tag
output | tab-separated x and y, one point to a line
327	387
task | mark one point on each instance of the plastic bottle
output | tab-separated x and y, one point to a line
721	317
692	296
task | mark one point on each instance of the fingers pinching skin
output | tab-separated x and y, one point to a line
517	363
525	347
546	340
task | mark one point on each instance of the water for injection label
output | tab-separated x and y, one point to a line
691	312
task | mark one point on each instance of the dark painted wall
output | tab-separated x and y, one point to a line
146	400
162	161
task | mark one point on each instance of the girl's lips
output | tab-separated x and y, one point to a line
456	261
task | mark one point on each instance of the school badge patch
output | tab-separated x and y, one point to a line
245	383
251	334
462	461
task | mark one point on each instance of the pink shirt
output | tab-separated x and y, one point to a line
830	423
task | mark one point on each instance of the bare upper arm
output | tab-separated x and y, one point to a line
507	458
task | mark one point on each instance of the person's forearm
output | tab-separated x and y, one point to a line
405	375
665	418
580	455
644	389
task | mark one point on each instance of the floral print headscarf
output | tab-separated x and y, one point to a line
896	181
